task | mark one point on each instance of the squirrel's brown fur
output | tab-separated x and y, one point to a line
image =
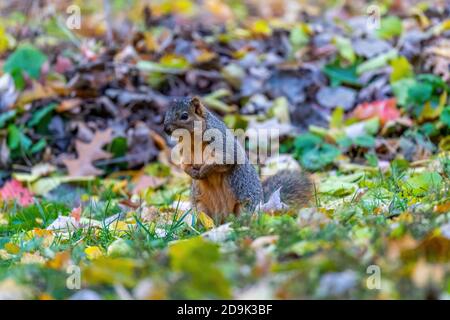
220	189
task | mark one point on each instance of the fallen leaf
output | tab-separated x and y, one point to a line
76	214
63	223
144	182
205	220
13	190
87	153
274	203
93	252
68	105
219	234
385	110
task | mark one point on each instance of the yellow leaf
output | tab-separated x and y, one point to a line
12	248
205	56
93	252
60	260
47	236
46	296
430	113
442	27
37	92
261	27
421	17
107	270
181	6
150	41
119	226
206	220
4	42
119	186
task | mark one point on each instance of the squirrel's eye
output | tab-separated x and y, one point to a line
184	116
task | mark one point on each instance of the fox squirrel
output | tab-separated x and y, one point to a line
224	188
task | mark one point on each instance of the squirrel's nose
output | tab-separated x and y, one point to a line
168	129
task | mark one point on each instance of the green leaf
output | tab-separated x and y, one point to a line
340	185
317	158
340	75
313	152
13	137
38	146
445	116
377	62
420	93
345	49
26	59
435	81
306	142
372	159
401	89
365	141
17	140
344	142
40	114
118	147
371	126
6	116
410	92
390	27
401	68
423	183
299	37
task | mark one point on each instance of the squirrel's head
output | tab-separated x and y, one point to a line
183	113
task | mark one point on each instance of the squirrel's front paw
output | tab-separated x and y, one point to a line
195	173
192	171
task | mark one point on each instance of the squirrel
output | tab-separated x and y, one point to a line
218	188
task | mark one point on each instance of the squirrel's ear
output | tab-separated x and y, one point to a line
197	105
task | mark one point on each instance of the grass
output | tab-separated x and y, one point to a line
390	221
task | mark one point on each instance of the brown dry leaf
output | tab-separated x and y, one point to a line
144	182
87	153
37	92
438	58
67	105
442	208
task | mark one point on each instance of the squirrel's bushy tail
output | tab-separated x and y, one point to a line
296	188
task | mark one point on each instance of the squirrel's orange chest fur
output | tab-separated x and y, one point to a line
215	196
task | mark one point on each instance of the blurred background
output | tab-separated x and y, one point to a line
92	208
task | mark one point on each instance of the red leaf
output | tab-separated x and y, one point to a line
385	110
63	64
76	213
13	190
